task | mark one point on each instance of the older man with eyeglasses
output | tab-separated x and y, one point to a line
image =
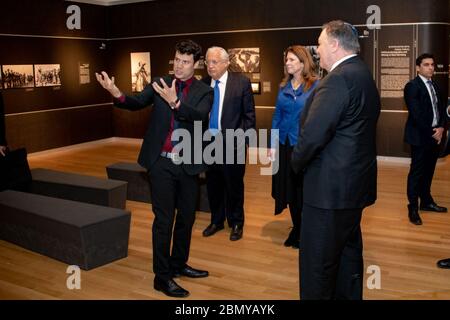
233	108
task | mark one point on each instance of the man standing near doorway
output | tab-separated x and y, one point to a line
423	131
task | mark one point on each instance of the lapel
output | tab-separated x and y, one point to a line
227	98
193	92
424	90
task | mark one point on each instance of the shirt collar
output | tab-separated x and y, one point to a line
425	80
223	79
342	60
188	82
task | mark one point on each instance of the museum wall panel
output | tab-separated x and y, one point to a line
64	110
271	26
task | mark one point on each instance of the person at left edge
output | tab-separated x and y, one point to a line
177	102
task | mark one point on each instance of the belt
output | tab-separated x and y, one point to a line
175	157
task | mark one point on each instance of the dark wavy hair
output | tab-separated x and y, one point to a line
189	47
423	56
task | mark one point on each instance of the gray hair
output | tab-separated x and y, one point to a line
344	33
223	52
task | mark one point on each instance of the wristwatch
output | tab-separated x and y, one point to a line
173	104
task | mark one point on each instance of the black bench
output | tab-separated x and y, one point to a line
76	233
139	186
77	187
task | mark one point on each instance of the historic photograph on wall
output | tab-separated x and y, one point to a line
244	60
316	60
47	75
256	87
17	76
84	73
140	70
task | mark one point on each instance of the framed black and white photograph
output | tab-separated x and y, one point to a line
84	73
140	70
201	64
316	60
47	75
17	76
244	60
256	87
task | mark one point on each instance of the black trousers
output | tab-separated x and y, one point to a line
225	185
423	163
331	261
287	187
172	189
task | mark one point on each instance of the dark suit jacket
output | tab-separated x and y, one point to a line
238	104
337	146
195	107
418	128
2	122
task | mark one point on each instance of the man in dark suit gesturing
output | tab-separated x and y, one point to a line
177	103
423	131
336	150
233	108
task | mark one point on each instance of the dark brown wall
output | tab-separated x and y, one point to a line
34	32
155	25
154	22
48	18
180	16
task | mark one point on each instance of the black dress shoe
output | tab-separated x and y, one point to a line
444	264
413	215
190	272
211	229
170	288
293	238
236	233
433	207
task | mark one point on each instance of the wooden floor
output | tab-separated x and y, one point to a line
256	267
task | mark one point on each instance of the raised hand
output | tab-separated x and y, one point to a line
167	93
108	84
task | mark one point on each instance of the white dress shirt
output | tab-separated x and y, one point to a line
342	60
222	86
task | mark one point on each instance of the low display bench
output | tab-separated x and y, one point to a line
139	186
73	232
77	187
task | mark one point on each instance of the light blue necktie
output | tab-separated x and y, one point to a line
214	116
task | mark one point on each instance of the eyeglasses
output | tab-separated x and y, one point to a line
180	61
212	62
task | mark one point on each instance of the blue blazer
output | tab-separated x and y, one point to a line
288	108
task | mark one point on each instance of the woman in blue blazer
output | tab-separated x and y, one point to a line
299	81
